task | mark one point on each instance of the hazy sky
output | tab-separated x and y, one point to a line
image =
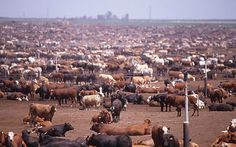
137	9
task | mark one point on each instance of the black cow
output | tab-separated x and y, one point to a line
130	87
107	89
49	141
43	92
119	96
170	140
69	77
162	99
232	103
102	140
30	141
220	107
135	99
116	109
56	130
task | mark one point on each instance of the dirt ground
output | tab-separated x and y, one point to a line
203	129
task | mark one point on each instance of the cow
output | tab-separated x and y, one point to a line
91	101
158	132
103	117
161	98
116	109
147	90
228	137
41	110
220	107
135	98
131	87
43	91
30	141
49	141
1	94
65	94
10	139
217	95
56	130
88	92
26	119
147	142
140	129
232	103
138	80
107	89
17	96
103	140
108	129
232	126
118	77
106	77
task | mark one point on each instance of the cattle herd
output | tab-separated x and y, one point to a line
108	68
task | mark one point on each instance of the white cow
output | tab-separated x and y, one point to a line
91	101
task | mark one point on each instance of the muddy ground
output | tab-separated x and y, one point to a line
203	129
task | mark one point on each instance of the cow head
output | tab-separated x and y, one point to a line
68	127
170	141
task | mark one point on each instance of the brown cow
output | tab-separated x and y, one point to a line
65	94
179	102
88	92
217	94
11	139
119	77
41	110
108	129
228	137
103	117
140	129
1	94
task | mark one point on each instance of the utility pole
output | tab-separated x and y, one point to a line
205	79
186	121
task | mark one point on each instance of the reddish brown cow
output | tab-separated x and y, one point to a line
140	129
88	92
179	102
228	137
65	94
2	94
118	77
12	140
103	117
108	129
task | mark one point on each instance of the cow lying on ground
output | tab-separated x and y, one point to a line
147	142
30	141
103	117
17	96
232	126
228	137
140	129
41	110
102	140
132	130
56	130
220	107
49	141
26	119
